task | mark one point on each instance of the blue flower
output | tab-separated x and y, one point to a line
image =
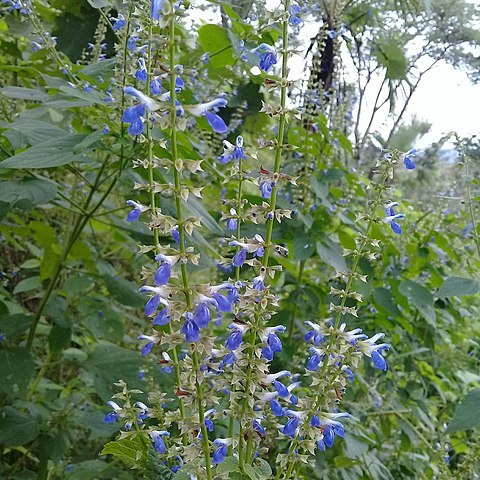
201	315
235	338
258	283
216	122
321	445
379	361
281	389
409	160
141	73
290	427
238	152
274	343
155	86
276	408
328	436
239	258
159	443
110	417
391	217
313	362
135	213
267	353
266	188
267	59
157	9
119	22
175	234
190	329
228	359
294	19
221	452
258	427
163	273
232	223
162	318
152	305
223	304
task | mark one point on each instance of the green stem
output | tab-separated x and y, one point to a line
231	423
153	207
181	231
268	235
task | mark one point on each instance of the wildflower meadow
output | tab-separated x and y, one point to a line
228	248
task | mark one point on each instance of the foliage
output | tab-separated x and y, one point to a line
71	266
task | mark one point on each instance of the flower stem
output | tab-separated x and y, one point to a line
181	231
268	235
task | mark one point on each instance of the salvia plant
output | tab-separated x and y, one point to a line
228	406
272	285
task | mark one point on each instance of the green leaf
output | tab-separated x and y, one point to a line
27	192
303	247
457	286
390	55
156	470
230	464
215	41
331	253
59	338
251	472
384	299
27	285
131	450
88	142
17	428
420	298
25	93
264	468
52	153
100	3
11	325
37	131
467	413
124	291
18	368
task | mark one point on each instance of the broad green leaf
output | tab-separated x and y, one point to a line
215	41
420	298
457	286
11	325
17	428
52	153
331	254
303	247
251	472
59	338
264	467
37	131
390	55
385	300
131	450
17	368
124	291
466	415
230	464
27	285
27	192
25	93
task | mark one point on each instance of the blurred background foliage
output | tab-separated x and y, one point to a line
70	310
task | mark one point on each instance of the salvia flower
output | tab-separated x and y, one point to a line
294	11
119	22
190	329
266	56
138	208
221	451
266	188
157	9
409	159
216	122
235	338
114	415
391	217
141	73
158	442
147	348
